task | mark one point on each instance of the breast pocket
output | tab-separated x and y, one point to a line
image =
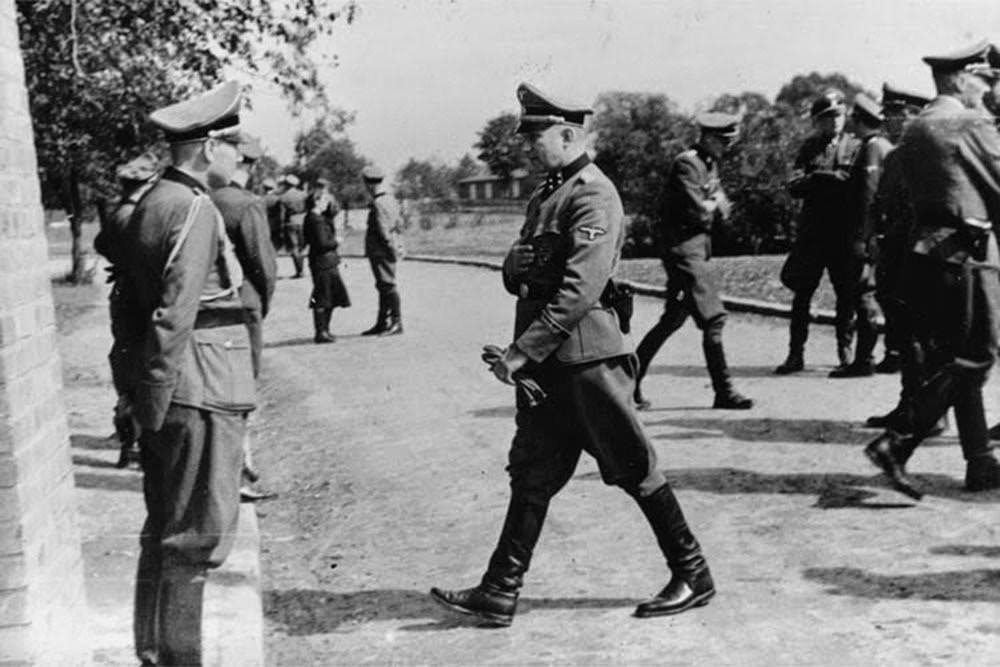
223	359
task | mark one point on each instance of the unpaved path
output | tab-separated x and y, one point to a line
389	454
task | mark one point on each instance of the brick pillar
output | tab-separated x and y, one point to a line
42	606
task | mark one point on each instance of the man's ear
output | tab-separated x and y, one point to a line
568	134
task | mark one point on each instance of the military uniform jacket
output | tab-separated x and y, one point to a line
951	164
823	166
577	233
866	173
246	224
692	183
383	225
195	349
892	212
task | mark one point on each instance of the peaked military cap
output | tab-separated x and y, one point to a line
372	173
722	124
867	109
830	102
975	58
250	148
141	168
897	98
212	114
538	108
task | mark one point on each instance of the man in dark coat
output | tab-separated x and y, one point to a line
822	243
382	251
694	199
293	218
950	158
569	341
194	385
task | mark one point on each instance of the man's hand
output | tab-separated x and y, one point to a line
522	258
504	362
723	206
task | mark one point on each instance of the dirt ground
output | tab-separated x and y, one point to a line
388	456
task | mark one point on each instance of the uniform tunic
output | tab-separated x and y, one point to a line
578	353
247	227
380	240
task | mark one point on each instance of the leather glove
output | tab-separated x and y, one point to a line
522	258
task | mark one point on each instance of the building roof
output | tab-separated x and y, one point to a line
487	177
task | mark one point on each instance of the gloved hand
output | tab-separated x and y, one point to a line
522	258
505	364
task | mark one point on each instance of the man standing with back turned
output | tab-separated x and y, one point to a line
381	249
194	383
950	157
694	198
569	341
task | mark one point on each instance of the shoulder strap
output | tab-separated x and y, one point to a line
192	214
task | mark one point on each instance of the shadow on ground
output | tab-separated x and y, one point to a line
85	441
806	431
123	481
969	586
832	490
811	371
966	550
310	612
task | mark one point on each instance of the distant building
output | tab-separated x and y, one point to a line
489	187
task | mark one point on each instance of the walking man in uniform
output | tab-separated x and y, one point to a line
862	184
822	169
694	199
892	215
194	385
381	249
569	342
950	158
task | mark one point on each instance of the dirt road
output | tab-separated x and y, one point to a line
388	455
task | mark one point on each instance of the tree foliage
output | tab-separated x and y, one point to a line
501	148
96	69
325	150
433	180
637	136
799	93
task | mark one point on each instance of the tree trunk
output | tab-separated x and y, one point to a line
78	274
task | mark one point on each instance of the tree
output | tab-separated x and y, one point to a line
637	137
501	148
755	174
326	150
95	70
799	93
425	179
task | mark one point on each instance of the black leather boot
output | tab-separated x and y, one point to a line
690	583
380	319
792	364
494	601
726	398
321	323
394	320
890	452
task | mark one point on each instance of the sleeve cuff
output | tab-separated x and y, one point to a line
541	338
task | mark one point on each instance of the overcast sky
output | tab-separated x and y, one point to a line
424	76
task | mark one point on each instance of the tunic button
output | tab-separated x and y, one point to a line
523	291
228	344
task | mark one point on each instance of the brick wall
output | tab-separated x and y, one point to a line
41	579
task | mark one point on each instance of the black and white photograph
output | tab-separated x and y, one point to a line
499	332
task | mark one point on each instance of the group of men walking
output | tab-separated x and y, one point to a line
195	269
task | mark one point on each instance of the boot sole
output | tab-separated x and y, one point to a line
486	619
697	601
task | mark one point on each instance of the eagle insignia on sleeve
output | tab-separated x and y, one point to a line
592	232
